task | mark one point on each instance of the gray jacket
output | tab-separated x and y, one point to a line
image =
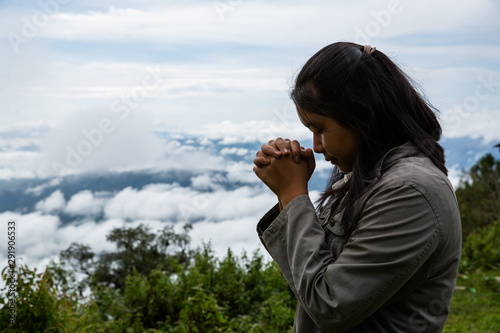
397	270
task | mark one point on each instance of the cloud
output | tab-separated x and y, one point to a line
238	235
37	190
454	175
35	236
20	164
482	123
281	124
227	218
250	22
101	141
85	203
52	204
204	183
169	202
234	151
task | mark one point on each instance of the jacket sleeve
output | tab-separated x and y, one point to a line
397	232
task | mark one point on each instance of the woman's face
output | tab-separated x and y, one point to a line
337	143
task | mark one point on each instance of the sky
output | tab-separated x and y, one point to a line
150	87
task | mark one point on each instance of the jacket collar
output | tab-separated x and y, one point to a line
408	149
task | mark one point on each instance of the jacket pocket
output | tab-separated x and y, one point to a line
334	234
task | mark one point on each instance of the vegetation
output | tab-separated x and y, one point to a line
154	282
476	303
479	195
147	287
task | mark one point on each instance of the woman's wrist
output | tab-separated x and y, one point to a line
285	198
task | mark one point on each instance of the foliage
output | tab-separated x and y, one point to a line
478	195
211	295
138	249
481	249
45	302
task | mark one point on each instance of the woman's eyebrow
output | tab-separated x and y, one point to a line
306	122
310	124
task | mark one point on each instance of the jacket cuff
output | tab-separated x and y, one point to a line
267	219
274	213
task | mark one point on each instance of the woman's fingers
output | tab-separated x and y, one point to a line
260	162
261	159
270	150
295	148
281	146
308	155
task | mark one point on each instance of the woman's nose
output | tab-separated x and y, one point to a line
317	145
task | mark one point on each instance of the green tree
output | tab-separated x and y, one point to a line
46	302
478	195
138	249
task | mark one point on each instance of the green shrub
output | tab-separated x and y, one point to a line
481	249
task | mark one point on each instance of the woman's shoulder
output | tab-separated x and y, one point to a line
413	181
408	165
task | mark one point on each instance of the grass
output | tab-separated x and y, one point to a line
476	303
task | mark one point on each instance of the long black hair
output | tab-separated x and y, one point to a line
372	96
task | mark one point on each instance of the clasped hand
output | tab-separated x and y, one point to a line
285	167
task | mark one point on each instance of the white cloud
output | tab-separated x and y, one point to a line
238	235
227	218
101	141
85	203
204	182
483	123
35	236
234	151
20	164
90	233
178	204
250	22
37	190
454	175
241	172
52	204
285	125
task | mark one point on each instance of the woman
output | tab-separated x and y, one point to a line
380	252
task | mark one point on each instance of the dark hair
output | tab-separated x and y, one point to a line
373	97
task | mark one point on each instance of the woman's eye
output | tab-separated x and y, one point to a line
315	130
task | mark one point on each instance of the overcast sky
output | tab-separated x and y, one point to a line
92	85
233	60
